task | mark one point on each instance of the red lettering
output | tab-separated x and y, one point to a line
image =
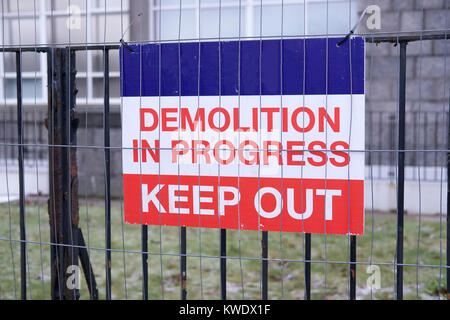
196	150
211	119
310	116
270	112
267	152
236	121
290	153
144	113
217	150
285	120
177	151
255	119
154	153
253	153
165	119
320	154
135	150
186	117
342	154
334	125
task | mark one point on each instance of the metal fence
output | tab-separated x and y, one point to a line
243	265
425	132
430	131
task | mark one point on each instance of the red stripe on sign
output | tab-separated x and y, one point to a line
269	204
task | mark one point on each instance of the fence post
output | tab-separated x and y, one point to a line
401	168
307	266
392	146
352	293
264	265
183	276
107	157
223	264
63	174
23	248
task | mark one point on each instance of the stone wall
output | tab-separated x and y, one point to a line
427	76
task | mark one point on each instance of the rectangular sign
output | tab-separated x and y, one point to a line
252	135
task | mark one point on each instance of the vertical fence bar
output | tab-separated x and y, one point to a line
352	268
436	145
183	275
416	143
307	266
401	168
352	274
448	204
144	246
223	263
380	145
23	248
264	264
392	146
106	145
425	145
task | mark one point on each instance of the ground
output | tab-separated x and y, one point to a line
329	271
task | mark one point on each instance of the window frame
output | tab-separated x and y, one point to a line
41	16
248	6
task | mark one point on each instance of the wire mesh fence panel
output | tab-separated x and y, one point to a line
193	149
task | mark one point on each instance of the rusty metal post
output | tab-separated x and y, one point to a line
63	202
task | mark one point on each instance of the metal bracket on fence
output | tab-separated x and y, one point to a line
352	31
126	45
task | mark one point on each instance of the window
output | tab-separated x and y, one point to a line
200	18
58	22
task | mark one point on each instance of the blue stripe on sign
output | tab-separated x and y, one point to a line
279	71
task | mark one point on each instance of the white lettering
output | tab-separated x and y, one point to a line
177	198
151	197
198	200
329	194
279	202
309	204
232	202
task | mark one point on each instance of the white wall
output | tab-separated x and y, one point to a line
36	180
426	198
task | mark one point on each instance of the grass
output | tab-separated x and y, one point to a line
286	271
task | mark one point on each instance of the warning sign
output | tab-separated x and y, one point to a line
252	135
